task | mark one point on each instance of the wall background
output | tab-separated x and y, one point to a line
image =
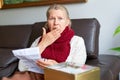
106	11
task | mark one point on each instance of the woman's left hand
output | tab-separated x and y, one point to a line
45	62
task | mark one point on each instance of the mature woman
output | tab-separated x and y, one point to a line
57	44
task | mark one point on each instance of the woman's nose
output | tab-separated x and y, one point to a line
56	22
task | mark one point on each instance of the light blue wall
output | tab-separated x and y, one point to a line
106	11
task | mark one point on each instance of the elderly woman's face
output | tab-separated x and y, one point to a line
57	19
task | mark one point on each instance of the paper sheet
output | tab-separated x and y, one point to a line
67	67
29	56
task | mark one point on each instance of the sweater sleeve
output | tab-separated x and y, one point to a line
78	51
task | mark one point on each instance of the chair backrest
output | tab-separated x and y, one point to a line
14	36
87	28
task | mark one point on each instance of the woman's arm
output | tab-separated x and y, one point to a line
78	51
47	39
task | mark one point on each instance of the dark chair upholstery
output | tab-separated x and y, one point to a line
12	37
87	28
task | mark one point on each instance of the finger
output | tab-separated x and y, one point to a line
44	31
41	64
56	33
57	30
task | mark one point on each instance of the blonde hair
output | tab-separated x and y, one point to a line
58	7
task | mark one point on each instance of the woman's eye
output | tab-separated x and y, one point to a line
60	18
51	18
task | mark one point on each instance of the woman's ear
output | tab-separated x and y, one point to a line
68	22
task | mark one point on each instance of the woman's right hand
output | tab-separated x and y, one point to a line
48	38
46	62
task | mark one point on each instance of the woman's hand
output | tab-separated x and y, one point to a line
48	38
46	62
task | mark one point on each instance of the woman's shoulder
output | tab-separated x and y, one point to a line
76	38
35	43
